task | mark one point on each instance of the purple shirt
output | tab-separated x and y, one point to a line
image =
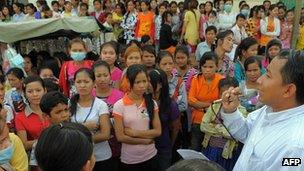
163	142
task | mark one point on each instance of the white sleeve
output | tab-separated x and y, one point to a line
10	114
264	24
239	126
286	152
102	107
277	27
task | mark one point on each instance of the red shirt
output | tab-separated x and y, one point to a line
30	122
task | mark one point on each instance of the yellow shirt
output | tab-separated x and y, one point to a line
300	44
19	159
192	27
117	18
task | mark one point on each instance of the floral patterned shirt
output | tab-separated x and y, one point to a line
227	68
128	24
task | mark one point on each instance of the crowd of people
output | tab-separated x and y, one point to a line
176	75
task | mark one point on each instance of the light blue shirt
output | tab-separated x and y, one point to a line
268	137
202	48
181	100
18	17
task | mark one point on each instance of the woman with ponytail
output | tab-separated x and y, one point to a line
137	123
93	113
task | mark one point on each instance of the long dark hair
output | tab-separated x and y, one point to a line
244	45
67	146
273	42
165	16
132	72
158	76
74	99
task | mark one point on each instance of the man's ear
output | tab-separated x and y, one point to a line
290	91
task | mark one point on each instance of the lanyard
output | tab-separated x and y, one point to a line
87	114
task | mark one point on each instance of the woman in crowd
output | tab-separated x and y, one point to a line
31	121
15	77
77	50
204	18
203	91
132	56
18	12
166	41
93	113
270	27
129	21
137	123
273	49
145	21
286	29
224	44
6	12
253	68
190	35
169	117
247	48
109	55
149	57
253	23
99	12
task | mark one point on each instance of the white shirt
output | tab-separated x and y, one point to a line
201	49
277	27
102	150
268	137
225	20
239	34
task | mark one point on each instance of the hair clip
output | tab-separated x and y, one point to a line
60	125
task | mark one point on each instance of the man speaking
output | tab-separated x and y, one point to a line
274	132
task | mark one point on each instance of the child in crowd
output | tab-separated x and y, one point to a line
238	29
218	144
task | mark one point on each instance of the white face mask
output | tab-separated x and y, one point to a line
78	56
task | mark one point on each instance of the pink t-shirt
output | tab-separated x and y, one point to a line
135	117
116	74
111	99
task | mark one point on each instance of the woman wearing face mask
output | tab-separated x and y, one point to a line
220	6
227	18
245	10
12	153
77	50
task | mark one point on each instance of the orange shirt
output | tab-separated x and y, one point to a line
270	28
200	90
145	25
124	85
